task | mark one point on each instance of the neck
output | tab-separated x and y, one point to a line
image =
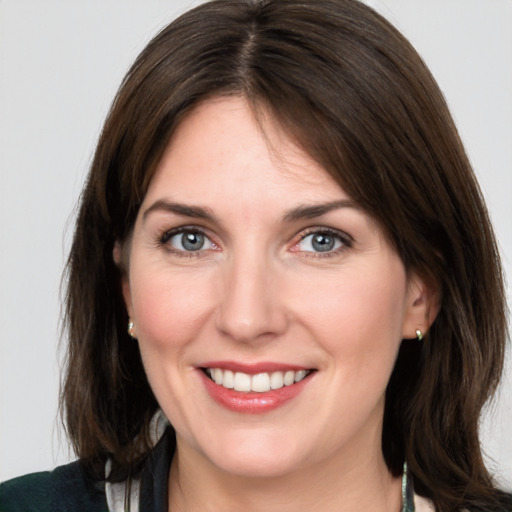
325	487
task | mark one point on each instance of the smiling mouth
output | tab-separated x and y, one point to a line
257	383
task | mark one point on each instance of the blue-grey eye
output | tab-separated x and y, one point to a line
190	241
320	242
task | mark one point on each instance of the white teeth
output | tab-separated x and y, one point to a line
299	375
276	380
242	382
289	378
258	383
217	376
228	380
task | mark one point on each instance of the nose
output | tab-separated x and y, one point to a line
251	306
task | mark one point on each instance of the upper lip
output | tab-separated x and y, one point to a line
253	368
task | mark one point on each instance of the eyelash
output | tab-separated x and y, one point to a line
163	241
345	239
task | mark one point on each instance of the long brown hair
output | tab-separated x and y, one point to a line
354	94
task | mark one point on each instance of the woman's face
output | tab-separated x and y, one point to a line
250	266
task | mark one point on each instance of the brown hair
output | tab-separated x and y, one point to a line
354	94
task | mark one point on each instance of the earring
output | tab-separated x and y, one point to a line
131	329
419	335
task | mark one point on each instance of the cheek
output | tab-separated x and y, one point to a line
170	310
359	312
169	307
357	321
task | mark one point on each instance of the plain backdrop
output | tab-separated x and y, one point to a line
60	65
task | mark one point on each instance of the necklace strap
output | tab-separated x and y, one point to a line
407	491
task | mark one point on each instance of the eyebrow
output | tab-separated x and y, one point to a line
195	212
317	210
299	213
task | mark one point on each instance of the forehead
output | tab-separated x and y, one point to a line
224	147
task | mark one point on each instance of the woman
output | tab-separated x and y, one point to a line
284	290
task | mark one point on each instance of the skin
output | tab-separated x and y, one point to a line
258	290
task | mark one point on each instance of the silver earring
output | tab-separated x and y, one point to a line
419	335
131	329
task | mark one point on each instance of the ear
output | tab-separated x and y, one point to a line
422	307
120	261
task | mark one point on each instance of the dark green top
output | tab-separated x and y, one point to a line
67	488
70	489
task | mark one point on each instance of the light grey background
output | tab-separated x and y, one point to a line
60	65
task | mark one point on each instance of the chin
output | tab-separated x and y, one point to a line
258	467
256	457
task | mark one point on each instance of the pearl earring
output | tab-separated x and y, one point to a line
131	329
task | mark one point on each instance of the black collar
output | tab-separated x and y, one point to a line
155	476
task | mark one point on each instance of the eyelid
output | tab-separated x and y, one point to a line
346	240
165	236
326	230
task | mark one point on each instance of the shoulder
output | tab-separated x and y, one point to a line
67	488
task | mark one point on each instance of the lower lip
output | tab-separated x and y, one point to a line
252	402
